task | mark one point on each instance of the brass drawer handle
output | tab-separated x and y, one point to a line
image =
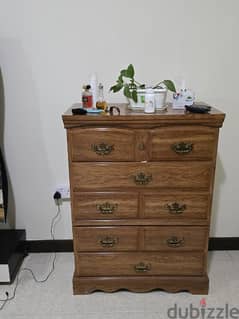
175	242
142	179
109	241
142	267
176	208
102	148
106	208
182	148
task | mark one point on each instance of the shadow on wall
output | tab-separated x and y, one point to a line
8	198
220	178
25	153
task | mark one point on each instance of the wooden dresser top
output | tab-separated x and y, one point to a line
169	116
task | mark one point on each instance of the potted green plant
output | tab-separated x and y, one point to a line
134	91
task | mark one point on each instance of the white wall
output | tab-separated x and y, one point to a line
48	48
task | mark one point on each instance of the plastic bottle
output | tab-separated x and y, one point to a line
87	98
149	106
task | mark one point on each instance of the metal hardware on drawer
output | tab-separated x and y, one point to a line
142	179
142	267
182	148
102	148
175	242
106	208
109	241
176	208
141	146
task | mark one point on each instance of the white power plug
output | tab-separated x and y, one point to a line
64	190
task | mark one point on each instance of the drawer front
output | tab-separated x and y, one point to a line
191	175
104	205
101	144
183	143
105	238
175	206
175	238
139	264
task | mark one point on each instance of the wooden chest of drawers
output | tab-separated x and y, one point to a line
141	194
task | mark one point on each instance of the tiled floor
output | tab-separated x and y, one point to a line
54	298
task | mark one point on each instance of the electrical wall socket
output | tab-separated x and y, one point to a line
64	190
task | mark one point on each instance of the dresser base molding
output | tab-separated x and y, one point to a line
197	285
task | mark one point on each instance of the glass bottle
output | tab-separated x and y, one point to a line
101	103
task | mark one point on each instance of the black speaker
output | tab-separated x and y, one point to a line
3	187
3	172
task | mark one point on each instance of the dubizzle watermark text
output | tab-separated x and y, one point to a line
203	311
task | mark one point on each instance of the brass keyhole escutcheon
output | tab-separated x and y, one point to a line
142	179
176	208
102	148
109	241
142	267
175	242
182	148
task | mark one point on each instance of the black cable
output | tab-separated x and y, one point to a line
53	224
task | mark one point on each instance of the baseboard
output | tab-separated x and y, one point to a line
223	243
48	246
66	245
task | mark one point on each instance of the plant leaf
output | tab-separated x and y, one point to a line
116	88
134	96
169	85
130	71
120	79
123	73
127	92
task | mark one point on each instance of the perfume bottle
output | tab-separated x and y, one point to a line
101	103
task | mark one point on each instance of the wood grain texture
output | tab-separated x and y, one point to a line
141	207
124	264
122	142
105	238
189	175
161	205
86	205
185	238
193	284
203	140
134	119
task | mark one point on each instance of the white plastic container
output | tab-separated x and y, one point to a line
149	105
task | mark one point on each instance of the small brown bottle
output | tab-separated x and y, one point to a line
101	103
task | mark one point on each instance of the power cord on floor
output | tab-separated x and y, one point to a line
57	197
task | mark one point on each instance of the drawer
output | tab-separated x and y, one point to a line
104	205
190	175
183	143
175	238
105	238
101	144
175	206
139	264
